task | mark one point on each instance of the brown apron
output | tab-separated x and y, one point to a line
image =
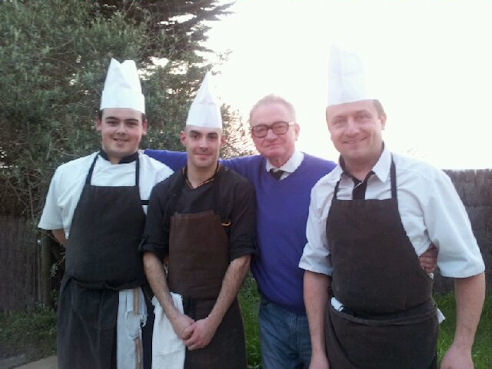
198	260
389	318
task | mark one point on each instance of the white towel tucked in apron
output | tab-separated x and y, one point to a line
132	315
168	351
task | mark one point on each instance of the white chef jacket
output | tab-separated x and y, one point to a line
429	206
69	179
63	196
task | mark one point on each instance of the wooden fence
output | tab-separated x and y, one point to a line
26	256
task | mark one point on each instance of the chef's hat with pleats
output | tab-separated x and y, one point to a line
205	109
346	81
122	87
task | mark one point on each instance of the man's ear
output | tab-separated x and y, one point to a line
144	127
222	140
382	118
297	129
98	123
182	138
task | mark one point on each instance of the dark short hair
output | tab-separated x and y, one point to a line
379	107
100	115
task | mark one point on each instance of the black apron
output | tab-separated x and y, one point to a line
198	260
101	258
389	320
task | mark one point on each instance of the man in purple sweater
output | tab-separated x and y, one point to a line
283	178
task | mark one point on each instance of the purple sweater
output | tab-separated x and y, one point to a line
282	210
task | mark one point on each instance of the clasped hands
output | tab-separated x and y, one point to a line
194	334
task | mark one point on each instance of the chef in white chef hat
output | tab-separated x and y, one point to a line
205	108
122	120
122	87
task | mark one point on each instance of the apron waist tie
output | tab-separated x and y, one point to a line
419	310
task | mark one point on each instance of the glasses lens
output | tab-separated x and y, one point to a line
280	128
260	130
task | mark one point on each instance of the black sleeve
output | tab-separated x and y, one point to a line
156	233
242	234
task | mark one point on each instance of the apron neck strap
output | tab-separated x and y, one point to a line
393	179
394	194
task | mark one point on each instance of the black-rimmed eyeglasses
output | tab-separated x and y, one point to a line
279	128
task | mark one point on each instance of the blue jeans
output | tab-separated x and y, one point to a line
284	335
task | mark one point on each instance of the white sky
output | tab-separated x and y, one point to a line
429	62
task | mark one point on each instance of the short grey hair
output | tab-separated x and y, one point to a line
273	99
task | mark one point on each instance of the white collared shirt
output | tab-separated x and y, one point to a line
429	206
290	165
69	179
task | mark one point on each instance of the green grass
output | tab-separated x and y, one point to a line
33	332
482	348
30	332
250	301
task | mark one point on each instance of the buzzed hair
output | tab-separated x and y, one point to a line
274	99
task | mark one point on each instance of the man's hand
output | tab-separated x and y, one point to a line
457	358
183	326
319	361
202	334
428	260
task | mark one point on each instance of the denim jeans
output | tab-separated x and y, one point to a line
284	335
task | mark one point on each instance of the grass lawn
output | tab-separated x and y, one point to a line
482	349
29	332
33	332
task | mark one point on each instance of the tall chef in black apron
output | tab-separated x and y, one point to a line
95	207
369	303
201	223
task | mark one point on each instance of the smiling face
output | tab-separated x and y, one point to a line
355	130
121	132
277	148
202	146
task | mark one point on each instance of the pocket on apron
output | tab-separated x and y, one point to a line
404	343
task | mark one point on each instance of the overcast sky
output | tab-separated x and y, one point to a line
428	61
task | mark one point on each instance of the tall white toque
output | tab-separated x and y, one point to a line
122	87
346	82
205	109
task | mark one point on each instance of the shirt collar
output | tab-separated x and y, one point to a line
124	160
184	172
290	165
381	169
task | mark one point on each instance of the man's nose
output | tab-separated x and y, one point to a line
203	142
352	128
270	134
121	128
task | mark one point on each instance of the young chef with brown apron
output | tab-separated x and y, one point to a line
201	221
98	202
369	220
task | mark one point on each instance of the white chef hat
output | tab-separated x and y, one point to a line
346	82
205	109
122	87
